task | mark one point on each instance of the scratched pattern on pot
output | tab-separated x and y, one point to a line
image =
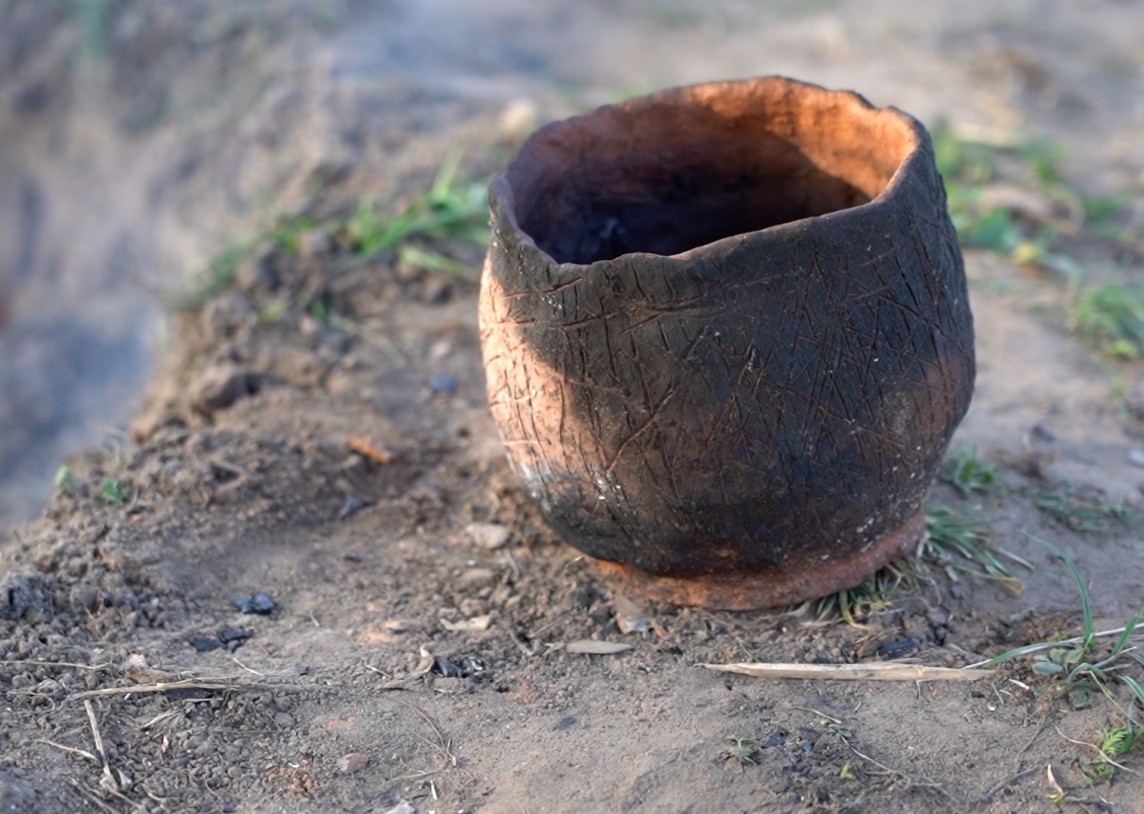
757	388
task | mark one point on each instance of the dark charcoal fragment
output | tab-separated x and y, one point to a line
447	668
465	667
234	634
898	648
204	644
260	602
774	739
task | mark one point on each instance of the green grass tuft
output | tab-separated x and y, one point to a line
216	277
855	605
1080	668
287	233
1079	512
112	492
741	750
966	473
960	545
960	160
1111	318
449	209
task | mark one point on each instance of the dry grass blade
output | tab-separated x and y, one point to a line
164	686
881	671
987	797
443	744
91	798
595	648
71	750
70	664
108	782
160	718
366	447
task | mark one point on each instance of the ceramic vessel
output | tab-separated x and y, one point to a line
727	337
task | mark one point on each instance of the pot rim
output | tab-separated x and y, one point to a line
502	199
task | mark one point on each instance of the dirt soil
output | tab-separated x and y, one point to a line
316	431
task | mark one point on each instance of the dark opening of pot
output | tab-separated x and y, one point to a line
682	169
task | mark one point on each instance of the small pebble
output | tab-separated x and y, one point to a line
443	384
898	648
205	644
937	616
219	387
352	504
490	536
352	763
234	634
404	807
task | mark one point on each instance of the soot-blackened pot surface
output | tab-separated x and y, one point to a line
727	336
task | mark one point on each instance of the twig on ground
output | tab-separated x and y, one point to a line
108	782
158	719
520	644
56	664
987	797
877	671
91	798
248	669
70	749
1102	753
366	448
830	718
443	743
167	686
845	735
929	784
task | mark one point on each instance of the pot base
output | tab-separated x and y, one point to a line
769	589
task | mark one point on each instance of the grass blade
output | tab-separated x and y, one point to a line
1086	605
1129	629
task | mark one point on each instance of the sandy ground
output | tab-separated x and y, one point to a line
418	653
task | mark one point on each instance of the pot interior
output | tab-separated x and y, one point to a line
686	167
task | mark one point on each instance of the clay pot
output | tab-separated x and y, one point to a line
727	337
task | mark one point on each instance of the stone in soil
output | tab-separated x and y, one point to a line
352	763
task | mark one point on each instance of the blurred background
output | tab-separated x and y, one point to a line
141	138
